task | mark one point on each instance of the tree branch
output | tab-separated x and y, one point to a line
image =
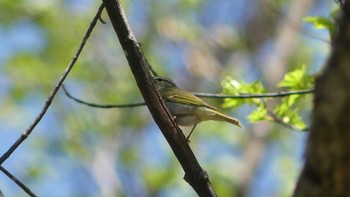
199	94
48	102
247	96
106	106
194	174
18	182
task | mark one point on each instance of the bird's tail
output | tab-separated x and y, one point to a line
222	117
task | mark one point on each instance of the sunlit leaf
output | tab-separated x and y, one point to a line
293	118
320	22
233	87
297	79
258	114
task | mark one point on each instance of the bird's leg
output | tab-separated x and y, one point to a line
189	135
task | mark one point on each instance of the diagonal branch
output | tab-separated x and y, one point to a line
18	182
194	174
48	102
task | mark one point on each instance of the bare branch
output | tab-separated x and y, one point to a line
247	96
199	94
154	73
18	182
48	102
106	106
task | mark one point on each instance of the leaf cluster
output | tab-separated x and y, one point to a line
286	111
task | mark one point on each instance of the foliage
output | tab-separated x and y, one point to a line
286	110
320	22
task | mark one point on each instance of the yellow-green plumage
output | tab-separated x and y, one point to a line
177	95
187	108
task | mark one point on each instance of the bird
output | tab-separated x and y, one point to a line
186	108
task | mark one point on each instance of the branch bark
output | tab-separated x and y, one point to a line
194	174
326	171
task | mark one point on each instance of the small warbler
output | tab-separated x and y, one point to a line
187	108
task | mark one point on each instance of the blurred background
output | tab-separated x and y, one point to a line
77	150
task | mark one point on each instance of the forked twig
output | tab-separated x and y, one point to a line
49	100
54	91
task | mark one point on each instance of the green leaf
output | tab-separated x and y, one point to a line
232	103
293	118
233	87
297	79
286	103
292	79
258	114
320	22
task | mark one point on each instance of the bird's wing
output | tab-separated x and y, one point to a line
184	97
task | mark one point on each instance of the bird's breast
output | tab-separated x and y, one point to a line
185	115
180	109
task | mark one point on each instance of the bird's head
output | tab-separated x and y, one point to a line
162	82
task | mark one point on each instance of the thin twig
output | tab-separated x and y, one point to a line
247	96
278	120
154	73
101	20
18	182
274	117
48	102
150	68
207	95
106	106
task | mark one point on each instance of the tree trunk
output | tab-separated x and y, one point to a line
327	166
